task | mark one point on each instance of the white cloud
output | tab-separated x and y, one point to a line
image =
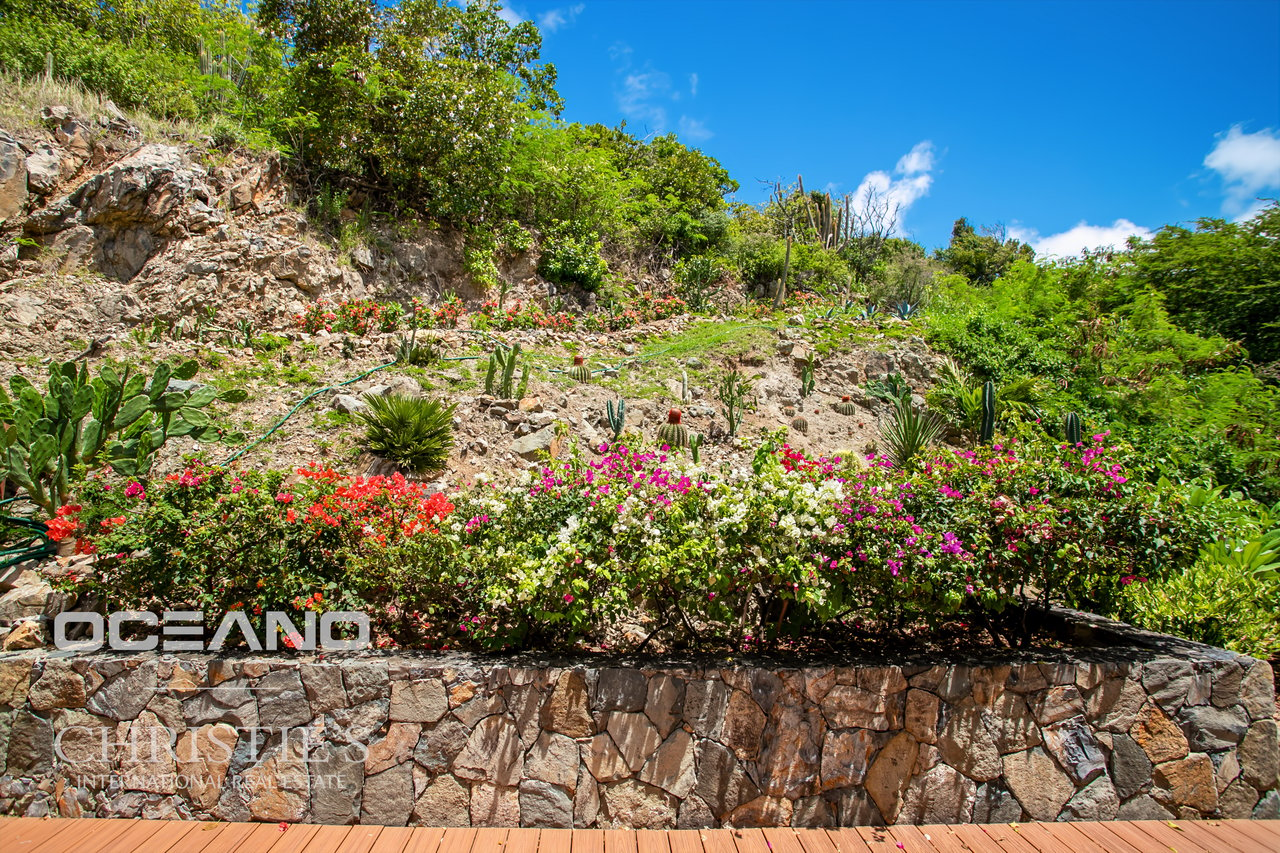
645	95
909	182
692	130
693	84
510	16
637	97
1249	164
919	159
556	19
1083	236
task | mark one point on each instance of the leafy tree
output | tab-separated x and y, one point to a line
1222	278
982	257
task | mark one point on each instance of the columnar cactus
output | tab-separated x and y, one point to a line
673	433
579	371
1071	426
846	407
988	429
617	417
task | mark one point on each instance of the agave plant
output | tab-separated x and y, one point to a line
909	433
414	433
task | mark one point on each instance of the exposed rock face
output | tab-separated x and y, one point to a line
463	742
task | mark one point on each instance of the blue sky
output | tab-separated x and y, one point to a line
1071	123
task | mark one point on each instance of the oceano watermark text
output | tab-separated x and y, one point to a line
183	631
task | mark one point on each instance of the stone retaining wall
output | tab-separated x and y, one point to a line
457	741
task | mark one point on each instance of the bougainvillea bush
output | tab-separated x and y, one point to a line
356	316
789	549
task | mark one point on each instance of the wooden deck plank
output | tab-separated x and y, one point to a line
586	841
69	834
1166	835
978	837
292	837
392	839
1216	838
651	841
522	841
750	841
619	841
681	841
848	840
1111	841
133	838
1074	838
99	830
1051	839
1262	831
716	841
328	839
781	840
815	841
167	835
424	840
360	839
877	839
457	840
25	833
491	839
933	838
213	837
555	841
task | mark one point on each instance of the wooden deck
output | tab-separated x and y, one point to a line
43	835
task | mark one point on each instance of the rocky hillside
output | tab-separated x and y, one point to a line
124	249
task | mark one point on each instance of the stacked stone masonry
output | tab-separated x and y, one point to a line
455	741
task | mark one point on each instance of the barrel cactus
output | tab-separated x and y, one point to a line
579	371
673	433
846	406
800	425
789	411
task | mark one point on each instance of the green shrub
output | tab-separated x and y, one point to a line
1210	603
572	260
415	433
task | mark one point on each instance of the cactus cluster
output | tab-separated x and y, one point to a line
846	406
807	381
673	433
500	378
617	417
579	372
695	446
110	419
800	425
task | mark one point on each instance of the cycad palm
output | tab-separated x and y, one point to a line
414	433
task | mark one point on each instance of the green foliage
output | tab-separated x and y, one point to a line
572	260
1093	341
909	433
982	258
1211	602
1223	278
413	432
115	419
